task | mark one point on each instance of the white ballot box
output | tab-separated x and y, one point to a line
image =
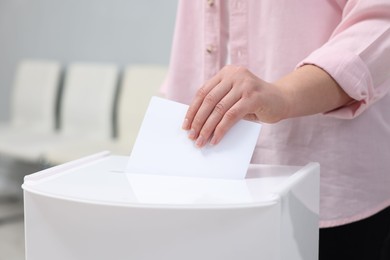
92	209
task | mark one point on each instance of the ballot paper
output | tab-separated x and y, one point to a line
162	147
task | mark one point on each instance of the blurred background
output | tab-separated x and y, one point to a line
53	52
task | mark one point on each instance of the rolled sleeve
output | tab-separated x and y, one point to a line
357	56
351	73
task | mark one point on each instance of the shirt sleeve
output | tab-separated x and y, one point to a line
357	55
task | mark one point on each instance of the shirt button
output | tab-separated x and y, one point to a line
210	2
210	49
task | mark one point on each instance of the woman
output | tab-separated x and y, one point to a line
317	74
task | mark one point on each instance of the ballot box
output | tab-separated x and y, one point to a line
92	209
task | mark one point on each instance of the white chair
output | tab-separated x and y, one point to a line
139	84
33	99
86	112
88	101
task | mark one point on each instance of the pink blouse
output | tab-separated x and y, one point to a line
348	39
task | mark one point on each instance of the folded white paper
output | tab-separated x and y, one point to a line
162	147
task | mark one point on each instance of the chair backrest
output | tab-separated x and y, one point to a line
34	94
88	100
140	83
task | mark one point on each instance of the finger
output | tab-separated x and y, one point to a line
207	107
197	102
216	116
238	111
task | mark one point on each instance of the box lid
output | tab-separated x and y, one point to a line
102	179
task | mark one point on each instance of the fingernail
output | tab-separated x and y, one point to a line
213	141
200	141
191	134
185	125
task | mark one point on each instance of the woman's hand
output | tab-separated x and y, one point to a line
234	93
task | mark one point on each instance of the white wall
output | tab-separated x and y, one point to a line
120	31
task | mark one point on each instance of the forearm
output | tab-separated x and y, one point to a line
310	90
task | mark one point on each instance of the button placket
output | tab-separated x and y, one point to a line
211	38
239	37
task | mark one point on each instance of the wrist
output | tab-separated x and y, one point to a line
286	100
